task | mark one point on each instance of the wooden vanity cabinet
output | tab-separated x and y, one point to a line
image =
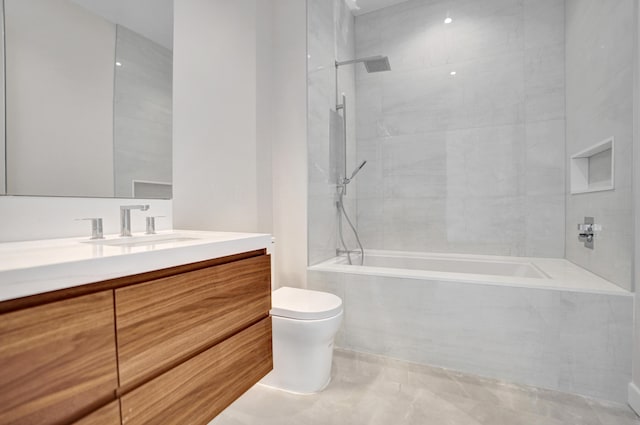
199	389
58	360
162	322
106	415
172	346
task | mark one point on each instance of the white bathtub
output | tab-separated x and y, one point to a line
536	321
550	273
512	268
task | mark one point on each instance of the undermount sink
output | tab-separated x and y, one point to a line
134	241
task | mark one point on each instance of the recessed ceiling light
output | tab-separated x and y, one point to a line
448	20
118	64
453	73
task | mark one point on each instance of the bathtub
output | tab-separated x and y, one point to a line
534	321
449	264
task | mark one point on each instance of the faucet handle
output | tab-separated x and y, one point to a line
151	224
96	227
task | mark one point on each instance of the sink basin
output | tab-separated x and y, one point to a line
145	240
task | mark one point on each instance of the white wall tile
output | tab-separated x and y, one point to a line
543	23
544	221
413	224
544	83
545	159
599	69
469	149
568	341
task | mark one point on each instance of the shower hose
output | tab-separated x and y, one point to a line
355	232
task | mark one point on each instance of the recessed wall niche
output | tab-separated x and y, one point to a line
592	169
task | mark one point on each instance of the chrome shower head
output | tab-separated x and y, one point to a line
371	63
380	64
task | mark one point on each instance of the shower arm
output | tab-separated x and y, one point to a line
359	60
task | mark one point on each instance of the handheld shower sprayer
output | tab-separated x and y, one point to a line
357	170
347	180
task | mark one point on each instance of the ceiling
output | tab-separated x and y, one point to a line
150	18
367	6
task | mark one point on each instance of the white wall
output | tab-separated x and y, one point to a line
31	218
289	154
214	139
240	123
3	172
265	96
59	51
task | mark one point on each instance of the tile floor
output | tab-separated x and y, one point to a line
373	390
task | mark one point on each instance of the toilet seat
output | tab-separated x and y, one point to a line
304	304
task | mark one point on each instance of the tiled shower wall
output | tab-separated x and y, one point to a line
471	162
330	38
600	105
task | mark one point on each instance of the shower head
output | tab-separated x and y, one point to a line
357	170
380	64
371	63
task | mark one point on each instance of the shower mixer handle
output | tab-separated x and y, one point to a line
587	231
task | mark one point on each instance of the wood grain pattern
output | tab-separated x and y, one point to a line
92	288
199	389
57	361
107	415
164	322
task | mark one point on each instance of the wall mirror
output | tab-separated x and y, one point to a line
88	98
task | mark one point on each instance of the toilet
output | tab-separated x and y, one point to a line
305	323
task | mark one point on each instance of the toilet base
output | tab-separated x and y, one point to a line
302	354
266	385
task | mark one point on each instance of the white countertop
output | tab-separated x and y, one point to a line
35	267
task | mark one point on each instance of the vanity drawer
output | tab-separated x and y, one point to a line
162	322
58	360
199	389
107	415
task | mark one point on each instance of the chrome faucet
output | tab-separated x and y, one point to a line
96	227
125	217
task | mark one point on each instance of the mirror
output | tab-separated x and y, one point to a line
89	98
3	173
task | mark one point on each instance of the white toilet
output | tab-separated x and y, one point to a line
305	323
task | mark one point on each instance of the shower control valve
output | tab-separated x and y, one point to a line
587	231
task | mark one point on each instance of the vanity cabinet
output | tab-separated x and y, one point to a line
164	321
58	360
175	345
197	390
107	415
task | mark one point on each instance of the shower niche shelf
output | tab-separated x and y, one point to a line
592	169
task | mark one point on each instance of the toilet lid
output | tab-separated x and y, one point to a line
304	304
